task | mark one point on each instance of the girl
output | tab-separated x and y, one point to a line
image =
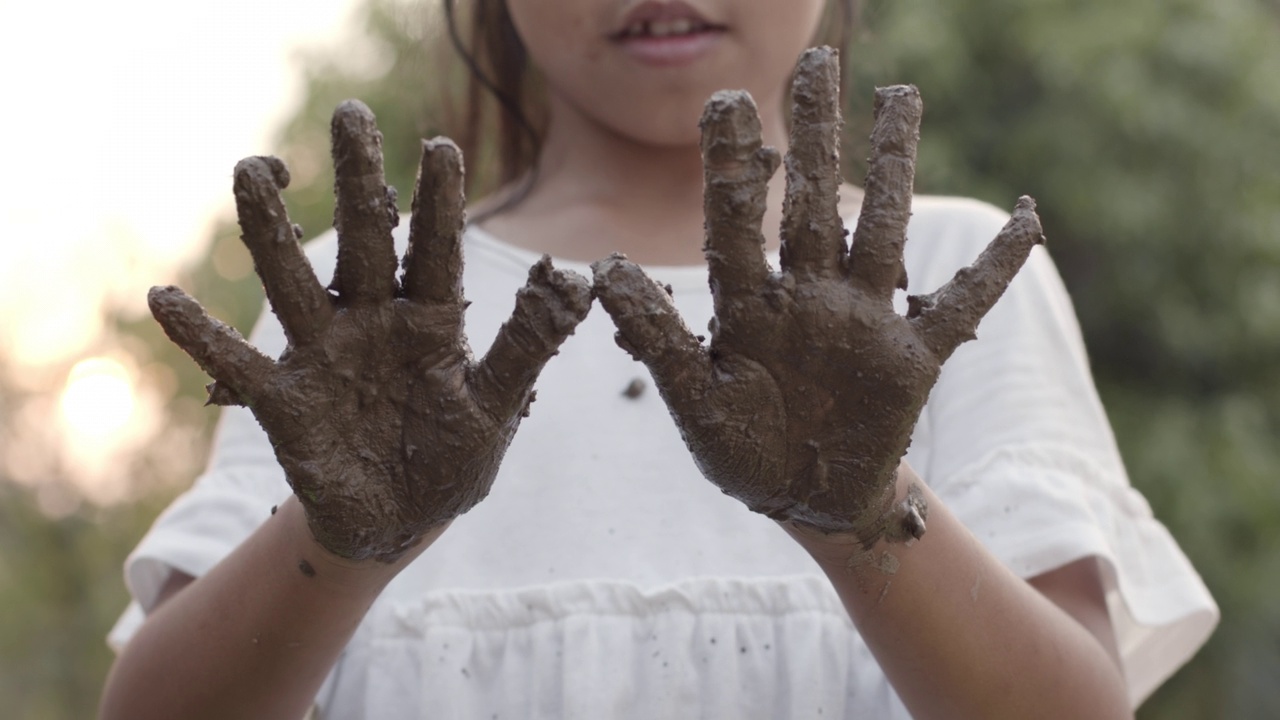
604	576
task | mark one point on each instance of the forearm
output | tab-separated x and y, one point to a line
960	636
253	638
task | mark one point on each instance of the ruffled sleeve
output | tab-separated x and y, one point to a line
1021	451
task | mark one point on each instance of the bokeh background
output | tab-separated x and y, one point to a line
1149	130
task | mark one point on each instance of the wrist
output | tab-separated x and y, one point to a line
316	563
903	524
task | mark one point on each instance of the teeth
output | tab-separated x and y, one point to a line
662	28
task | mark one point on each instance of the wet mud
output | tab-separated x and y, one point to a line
804	401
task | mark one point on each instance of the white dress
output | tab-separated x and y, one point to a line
603	577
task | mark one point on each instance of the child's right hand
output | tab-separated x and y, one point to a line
384	424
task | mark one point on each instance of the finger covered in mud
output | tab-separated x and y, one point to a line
737	167
813	234
950	315
875	258
650	328
366	209
548	310
294	293
216	347
433	263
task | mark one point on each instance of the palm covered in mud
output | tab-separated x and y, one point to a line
804	402
801	407
383	423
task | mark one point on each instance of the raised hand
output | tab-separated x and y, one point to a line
804	403
384	424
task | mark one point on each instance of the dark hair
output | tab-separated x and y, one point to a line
502	97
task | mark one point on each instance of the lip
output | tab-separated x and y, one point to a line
670	50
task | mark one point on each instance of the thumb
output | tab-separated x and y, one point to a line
651	330
548	310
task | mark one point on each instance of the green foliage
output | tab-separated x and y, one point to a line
1148	131
61	590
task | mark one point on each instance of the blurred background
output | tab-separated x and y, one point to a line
1148	130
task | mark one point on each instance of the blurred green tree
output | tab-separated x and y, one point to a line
61	592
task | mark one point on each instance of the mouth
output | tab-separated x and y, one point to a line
664	20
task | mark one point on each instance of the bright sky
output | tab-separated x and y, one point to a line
121	123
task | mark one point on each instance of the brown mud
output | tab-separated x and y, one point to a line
804	402
801	406
384	423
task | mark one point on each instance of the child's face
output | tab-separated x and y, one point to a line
644	68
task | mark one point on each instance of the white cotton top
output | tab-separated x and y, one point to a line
603	577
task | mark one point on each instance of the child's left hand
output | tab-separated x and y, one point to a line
804	402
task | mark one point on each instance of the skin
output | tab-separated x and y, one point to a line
960	636
621	153
254	637
228	652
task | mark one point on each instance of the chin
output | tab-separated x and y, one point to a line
671	134
662	119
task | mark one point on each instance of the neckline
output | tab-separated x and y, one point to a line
679	277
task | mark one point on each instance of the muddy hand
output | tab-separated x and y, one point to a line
804	403
383	423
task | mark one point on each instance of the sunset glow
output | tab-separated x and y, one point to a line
126	125
97	403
